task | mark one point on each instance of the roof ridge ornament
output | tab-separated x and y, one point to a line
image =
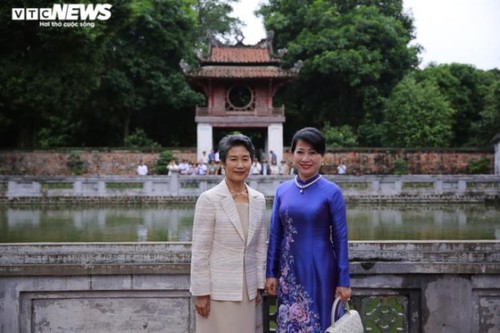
269	41
270	36
297	66
239	37
199	54
281	52
186	68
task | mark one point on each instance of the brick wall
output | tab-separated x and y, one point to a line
366	162
359	162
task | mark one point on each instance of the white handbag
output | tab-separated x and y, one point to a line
350	322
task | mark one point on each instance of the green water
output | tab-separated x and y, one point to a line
173	223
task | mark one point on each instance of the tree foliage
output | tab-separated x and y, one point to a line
464	88
139	139
342	136
488	125
47	73
143	81
417	115
354	53
94	86
215	20
162	162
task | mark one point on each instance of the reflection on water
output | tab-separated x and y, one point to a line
173	223
77	224
423	222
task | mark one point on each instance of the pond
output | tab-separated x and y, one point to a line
174	223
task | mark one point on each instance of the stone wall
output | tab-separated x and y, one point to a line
414	287
359	162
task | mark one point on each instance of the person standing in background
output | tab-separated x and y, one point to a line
204	158
211	156
341	168
256	168
265	168
172	167
307	258
229	246
142	169
284	169
275	169
274	158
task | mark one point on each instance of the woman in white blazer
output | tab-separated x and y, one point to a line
229	246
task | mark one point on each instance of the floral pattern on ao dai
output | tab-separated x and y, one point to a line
307	253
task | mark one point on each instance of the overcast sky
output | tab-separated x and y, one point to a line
462	31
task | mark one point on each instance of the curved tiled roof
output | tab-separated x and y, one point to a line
240	55
240	61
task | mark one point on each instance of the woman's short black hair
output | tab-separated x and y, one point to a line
232	140
313	137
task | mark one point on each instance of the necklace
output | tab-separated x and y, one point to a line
236	193
244	192
303	187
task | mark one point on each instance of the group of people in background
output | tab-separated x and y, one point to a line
195	169
211	165
267	169
304	261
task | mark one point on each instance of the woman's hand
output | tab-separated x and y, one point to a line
202	305
271	286
344	293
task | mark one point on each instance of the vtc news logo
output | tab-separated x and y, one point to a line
64	12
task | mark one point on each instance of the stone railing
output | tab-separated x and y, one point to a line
465	188
134	287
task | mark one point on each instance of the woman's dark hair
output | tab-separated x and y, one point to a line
232	140
313	137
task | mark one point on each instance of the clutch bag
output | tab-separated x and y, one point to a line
350	322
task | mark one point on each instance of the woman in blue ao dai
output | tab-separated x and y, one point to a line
307	258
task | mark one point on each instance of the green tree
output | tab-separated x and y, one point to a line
417	115
143	77
481	166
93	86
139	139
465	88
163	159
75	164
354	53
214	19
488	125
47	73
342	136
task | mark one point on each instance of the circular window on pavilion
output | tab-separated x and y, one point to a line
240	98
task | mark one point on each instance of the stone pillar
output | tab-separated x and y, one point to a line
174	182
204	140
147	187
275	140
101	188
496	166
77	188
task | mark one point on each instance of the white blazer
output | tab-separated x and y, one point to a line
220	258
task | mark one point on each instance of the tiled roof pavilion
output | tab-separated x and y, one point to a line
239	82
241	61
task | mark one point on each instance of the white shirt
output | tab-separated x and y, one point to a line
341	168
256	168
142	170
